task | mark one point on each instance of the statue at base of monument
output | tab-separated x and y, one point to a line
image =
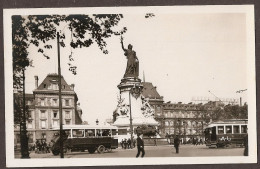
132	67
122	109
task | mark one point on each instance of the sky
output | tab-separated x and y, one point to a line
184	55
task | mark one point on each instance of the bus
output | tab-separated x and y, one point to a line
226	133
85	137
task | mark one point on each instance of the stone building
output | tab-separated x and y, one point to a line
177	118
43	106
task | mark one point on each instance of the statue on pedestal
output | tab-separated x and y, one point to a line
132	67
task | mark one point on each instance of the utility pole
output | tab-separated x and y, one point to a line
60	101
131	120
23	131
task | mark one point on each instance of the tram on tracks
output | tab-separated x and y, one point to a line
85	137
226	133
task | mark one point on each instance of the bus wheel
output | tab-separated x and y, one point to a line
55	152
91	150
101	149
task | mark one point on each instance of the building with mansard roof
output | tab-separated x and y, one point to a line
43	107
176	118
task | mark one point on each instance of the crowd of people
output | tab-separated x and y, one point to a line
126	143
41	146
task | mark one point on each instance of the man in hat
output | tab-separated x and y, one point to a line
140	146
176	143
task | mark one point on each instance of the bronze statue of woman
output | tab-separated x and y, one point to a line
132	67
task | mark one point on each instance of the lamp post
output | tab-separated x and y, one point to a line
60	101
134	91
23	131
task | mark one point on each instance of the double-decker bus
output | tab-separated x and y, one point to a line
86	137
225	133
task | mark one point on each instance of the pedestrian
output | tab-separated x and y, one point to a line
246	145
129	143
122	143
177	143
140	146
155	143
134	142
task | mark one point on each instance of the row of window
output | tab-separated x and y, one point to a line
43	123
188	123
55	114
235	129
53	102
53	86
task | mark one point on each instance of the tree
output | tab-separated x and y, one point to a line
40	30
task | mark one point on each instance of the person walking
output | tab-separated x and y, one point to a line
140	146
176	143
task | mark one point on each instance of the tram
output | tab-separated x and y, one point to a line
86	137
226	133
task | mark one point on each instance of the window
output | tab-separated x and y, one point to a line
220	129
67	102
55	86
67	115
171	123
42	102
158	109
166	115
29	125
78	132
30	114
55	114
106	132
30	138
89	132
228	129
43	124
64	86
18	138
55	123
43	114
244	129
29	102
98	132
67	122
171	114
122	131
166	123
114	132
236	129
44	86
55	102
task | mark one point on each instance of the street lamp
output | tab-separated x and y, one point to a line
97	122
135	91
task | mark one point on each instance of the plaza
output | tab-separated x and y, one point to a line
151	151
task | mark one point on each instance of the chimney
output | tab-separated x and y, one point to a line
36	81
72	86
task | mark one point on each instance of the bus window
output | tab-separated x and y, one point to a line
228	129
106	132
244	129
114	132
68	133
78	132
220	129
122	131
89	132
236	129
99	132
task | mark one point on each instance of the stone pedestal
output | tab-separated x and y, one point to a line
133	102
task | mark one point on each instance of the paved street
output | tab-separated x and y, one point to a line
153	151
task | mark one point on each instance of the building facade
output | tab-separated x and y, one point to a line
186	120
43	109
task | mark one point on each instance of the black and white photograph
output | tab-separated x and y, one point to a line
101	86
